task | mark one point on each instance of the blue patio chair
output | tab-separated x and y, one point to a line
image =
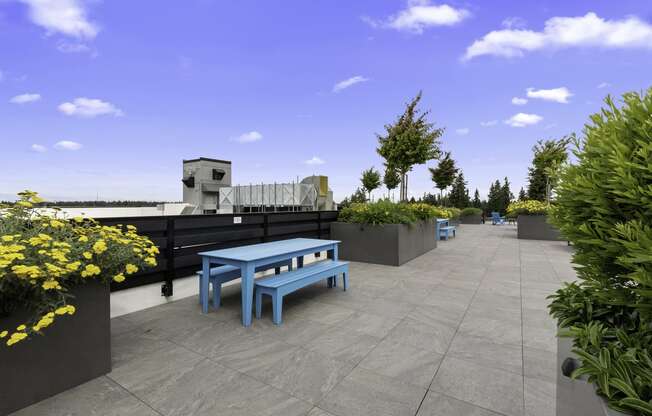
496	219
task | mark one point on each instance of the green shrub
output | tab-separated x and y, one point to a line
467	212
527	207
387	212
604	208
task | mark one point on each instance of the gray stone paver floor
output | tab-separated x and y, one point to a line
462	330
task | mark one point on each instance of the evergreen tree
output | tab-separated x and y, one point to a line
410	141
476	203
549	155
506	195
494	199
370	180
459	194
357	197
444	174
522	195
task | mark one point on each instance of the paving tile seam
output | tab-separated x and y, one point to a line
135	396
457	328
522	324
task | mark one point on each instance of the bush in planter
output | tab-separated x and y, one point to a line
470	211
527	207
603	208
387	212
42	256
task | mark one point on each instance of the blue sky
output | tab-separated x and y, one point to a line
107	97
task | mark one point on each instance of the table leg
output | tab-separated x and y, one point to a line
299	262
203	293
247	288
333	255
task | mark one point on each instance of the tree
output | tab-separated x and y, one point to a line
357	197
444	174
506	196
549	155
494	198
391	179
477	202
370	180
459	195
410	141
522	195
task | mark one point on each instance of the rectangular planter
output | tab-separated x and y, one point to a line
536	227
74	349
577	397
471	219
390	244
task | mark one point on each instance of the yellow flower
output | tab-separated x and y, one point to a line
3	334
16	337
56	224
90	270
87	255
24	204
68	309
119	277
78	219
73	266
21	328
51	284
7	237
99	247
83	239
151	261
131	268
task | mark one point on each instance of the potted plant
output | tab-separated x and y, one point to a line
471	215
384	232
602	207
54	297
532	220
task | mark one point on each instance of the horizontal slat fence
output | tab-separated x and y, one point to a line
181	237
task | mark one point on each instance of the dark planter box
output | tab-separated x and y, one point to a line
536	227
577	397
471	219
390	244
74	349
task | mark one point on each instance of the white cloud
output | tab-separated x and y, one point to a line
249	137
67	145
421	14
25	98
89	107
463	131
349	82
604	85
67	17
523	120
519	101
39	148
489	123
589	30
514	22
558	95
73	47
314	161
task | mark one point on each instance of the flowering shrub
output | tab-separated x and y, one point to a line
43	256
387	212
527	207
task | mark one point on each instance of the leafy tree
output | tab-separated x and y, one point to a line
357	197
522	196
459	195
391	179
370	180
549	155
444	174
476	203
410	141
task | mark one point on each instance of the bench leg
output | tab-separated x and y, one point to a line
345	280
259	303
217	294
330	282
277	270
299	262
277	308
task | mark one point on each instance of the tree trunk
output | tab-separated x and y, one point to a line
403	187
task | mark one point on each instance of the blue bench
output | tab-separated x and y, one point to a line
444	232
288	282
222	274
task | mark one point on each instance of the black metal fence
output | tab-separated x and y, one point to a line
181	237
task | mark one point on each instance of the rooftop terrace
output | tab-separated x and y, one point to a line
461	330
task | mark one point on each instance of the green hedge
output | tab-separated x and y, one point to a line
467	212
387	212
604	208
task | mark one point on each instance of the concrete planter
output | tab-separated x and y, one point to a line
536	227
74	349
390	244
471	219
577	397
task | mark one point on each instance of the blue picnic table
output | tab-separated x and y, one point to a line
441	222
248	258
